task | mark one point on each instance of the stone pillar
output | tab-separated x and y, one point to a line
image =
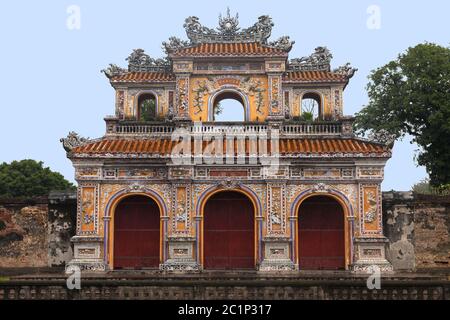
180	236
182	70
275	70
276	107
370	244
276	242
88	242
347	126
181	253
111	125
88	253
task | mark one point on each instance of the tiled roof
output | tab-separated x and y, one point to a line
144	77
291	76
229	49
287	147
313	76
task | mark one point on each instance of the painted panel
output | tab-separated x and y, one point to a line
370	201
87	220
254	88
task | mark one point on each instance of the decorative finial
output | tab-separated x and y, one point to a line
228	31
228	24
319	60
73	140
346	70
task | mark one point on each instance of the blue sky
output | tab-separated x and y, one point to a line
51	81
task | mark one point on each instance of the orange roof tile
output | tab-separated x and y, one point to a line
313	76
287	147
144	77
228	49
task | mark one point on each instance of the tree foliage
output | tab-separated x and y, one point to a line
411	95
29	178
148	109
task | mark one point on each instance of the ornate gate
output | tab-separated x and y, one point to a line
229	232
136	233
321	240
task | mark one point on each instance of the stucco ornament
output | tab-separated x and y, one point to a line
228	24
263	27
283	43
135	187
174	44
229	31
371	212
383	136
181	215
193	26
319	60
346	70
254	88
274	218
203	87
229	184
73	140
113	70
139	61
320	187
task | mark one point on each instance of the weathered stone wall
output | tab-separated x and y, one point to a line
62	212
418	229
432	232
23	233
36	232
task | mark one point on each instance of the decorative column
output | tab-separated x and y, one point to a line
276	241
182	70
275	71
88	243
181	241
370	245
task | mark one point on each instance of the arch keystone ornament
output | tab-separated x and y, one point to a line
272	177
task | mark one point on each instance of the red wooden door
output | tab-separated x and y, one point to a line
321	242
229	232
136	233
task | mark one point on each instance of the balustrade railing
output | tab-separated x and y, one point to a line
143	129
294	130
312	129
229	129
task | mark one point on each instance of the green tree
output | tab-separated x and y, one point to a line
411	95
28	178
148	110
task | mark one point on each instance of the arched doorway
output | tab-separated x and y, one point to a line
229	232
136	233
321	234
228	106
